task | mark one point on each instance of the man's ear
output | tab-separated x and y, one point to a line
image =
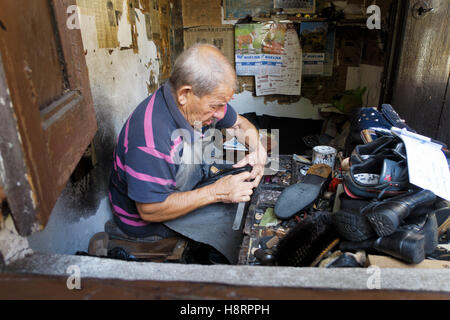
183	94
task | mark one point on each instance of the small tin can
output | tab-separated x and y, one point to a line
325	155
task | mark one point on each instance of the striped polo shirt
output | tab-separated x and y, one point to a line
145	156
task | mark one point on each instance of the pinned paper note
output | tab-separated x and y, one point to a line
234	144
427	165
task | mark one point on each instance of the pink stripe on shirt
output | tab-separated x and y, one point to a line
148	178
157	154
119	163
125	143
148	126
118	211
133	223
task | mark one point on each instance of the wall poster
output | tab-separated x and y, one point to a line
302	6
237	9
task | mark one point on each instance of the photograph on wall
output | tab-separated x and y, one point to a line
313	39
313	36
237	9
259	48
299	6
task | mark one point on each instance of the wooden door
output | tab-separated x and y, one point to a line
46	106
421	87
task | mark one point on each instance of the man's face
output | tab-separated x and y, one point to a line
209	108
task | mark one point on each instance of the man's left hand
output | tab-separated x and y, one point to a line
257	159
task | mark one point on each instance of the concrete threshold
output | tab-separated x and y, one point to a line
410	280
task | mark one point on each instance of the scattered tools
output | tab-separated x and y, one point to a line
239	215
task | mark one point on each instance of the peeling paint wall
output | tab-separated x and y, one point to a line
120	75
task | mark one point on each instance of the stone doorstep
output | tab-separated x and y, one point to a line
408	280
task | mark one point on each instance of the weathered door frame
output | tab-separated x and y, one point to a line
41	142
394	84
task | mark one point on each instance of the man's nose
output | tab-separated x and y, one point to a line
219	113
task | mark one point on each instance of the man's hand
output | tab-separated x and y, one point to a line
247	134
257	159
234	188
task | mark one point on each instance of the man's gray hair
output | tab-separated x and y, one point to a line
202	69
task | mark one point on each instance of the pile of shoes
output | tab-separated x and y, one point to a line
380	210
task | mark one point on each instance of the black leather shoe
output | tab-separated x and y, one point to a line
410	243
377	177
426	225
350	222
384	145
385	216
218	172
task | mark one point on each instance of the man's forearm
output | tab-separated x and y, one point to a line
177	204
232	188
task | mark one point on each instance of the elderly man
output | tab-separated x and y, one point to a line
154	177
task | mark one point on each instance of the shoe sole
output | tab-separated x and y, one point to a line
383	224
386	222
413	252
431	234
352	226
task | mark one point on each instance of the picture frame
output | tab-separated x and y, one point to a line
296	6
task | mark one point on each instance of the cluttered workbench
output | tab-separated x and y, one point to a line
351	221
262	229
329	208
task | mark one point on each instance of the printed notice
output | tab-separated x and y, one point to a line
259	48
313	63
427	165
287	80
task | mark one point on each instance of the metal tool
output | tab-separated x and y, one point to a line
239	215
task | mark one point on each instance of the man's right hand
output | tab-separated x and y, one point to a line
233	188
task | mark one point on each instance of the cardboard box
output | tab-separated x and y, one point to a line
202	13
389	262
